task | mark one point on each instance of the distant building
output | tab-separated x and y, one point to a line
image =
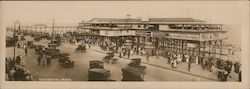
58	29
178	35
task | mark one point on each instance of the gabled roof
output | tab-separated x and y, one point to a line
39	25
174	20
138	20
114	20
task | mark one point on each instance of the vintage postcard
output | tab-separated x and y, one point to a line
124	44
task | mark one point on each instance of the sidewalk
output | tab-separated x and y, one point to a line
196	69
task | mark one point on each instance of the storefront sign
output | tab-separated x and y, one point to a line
127	32
184	36
191	45
143	33
110	33
160	34
209	36
163	27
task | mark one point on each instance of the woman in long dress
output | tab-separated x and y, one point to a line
175	63
179	58
196	60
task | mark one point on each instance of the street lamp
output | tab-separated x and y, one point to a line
14	36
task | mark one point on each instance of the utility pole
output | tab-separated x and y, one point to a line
128	17
14	36
53	28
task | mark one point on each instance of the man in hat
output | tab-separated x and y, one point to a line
25	49
39	59
189	66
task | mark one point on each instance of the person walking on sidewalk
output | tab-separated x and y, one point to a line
43	60
18	59
179	58
11	74
128	53
39	59
189	66
25	49
147	56
175	63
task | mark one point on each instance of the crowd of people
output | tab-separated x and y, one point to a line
174	59
221	66
15	70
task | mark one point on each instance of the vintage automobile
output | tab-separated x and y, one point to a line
222	74
54	42
63	59
10	41
81	48
22	38
109	58
38	49
52	52
30	44
134	71
42	36
96	71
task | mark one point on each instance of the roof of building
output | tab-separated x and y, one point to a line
175	20
139	20
39	25
115	20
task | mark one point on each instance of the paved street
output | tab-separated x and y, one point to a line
79	72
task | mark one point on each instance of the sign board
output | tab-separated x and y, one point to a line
191	45
160	34
109	33
209	36
163	27
185	36
127	32
143	33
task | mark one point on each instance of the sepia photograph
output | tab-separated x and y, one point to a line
124	41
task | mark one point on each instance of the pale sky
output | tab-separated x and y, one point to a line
72	12
76	11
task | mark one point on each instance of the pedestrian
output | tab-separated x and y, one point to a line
18	59
187	58
17	74
11	74
43	61
171	62
28	76
196	60
128	53
120	52
25	49
225	76
22	62
18	45
179	58
11	63
48	58
124	52
22	74
147	56
203	63
239	76
189	66
39	59
175	64
7	66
